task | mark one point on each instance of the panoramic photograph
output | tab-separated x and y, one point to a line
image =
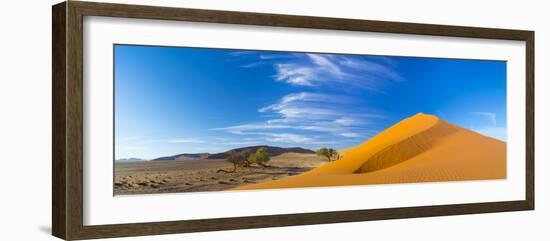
190	119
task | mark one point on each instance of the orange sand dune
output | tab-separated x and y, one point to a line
421	148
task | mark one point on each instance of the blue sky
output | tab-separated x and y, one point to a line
172	100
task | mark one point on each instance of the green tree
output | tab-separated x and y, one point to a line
329	153
260	157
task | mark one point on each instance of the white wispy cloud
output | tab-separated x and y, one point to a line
491	128
323	69
293	138
185	140
130	138
312	106
491	117
311	112
253	64
218	141
277	56
220	138
372	67
242	129
330	66
237	53
289	138
346	121
350	134
318	70
296	75
327	107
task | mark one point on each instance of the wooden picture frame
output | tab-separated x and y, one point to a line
67	124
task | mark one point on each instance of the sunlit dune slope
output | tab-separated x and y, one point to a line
421	148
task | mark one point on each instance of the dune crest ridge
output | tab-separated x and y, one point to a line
409	147
421	148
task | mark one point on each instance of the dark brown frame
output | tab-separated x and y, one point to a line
67	123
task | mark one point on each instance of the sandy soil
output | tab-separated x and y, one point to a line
422	148
202	175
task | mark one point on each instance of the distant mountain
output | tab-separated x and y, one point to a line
272	150
131	159
183	156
